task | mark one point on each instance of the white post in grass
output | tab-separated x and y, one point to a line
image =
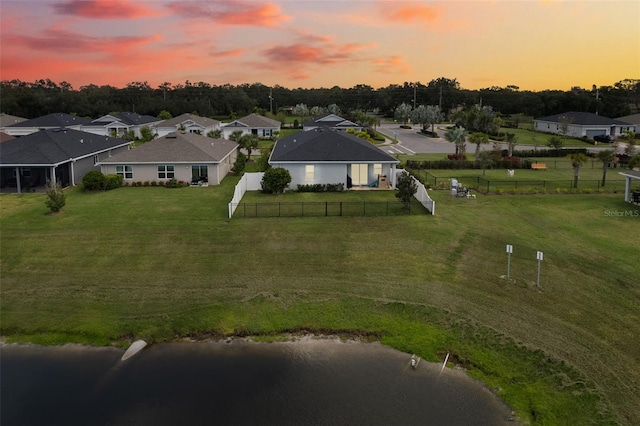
509	251
539	256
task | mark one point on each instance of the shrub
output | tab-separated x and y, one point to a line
56	198
275	180
112	182
172	183
94	180
154	183
499	191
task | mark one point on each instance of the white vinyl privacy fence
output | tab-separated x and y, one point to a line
249	182
421	194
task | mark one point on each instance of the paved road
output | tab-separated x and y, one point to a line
410	142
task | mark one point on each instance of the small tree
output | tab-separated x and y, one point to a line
478	138
486	159
146	134
577	160
239	164
263	160
215	134
403	112
512	141
457	135
406	188
555	143
606	156
248	142
236	135
275	180
56	198
165	115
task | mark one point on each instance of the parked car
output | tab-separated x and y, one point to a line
603	138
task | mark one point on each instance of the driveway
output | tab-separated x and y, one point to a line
411	142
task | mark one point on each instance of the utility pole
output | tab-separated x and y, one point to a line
270	101
414	95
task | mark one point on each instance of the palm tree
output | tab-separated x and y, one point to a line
577	160
606	156
457	135
478	138
249	142
512	141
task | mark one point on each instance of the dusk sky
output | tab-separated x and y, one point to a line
536	45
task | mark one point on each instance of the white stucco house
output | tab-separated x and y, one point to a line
261	126
189	123
187	157
581	124
119	124
330	121
323	156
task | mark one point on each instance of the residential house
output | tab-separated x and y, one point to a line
330	121
581	124
61	155
49	121
187	157
258	125
189	123
633	119
323	156
8	120
119	124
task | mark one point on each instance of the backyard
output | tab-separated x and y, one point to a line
162	264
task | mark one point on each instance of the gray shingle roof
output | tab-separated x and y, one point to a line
327	146
177	147
128	118
54	120
176	121
329	120
8	120
54	146
581	118
255	121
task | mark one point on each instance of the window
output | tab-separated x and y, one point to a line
165	172
200	172
125	171
309	173
377	169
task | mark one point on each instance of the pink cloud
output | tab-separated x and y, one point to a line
229	53
72	42
105	9
409	12
232	13
392	65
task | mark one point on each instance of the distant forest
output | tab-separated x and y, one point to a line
42	97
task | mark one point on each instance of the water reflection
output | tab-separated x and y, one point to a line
308	382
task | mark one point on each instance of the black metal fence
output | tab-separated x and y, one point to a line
329	208
487	186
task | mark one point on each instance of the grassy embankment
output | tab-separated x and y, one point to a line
160	264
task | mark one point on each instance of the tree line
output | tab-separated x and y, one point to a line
42	97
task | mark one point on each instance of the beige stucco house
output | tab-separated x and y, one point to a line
187	157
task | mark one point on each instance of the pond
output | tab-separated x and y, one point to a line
304	382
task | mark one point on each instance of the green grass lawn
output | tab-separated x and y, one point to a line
159	264
529	137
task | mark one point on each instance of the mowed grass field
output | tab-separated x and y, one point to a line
162	264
